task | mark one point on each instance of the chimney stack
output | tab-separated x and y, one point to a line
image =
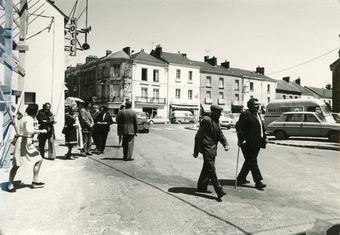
286	79
225	64
127	50
298	81
206	58
108	52
328	86
260	70
212	61
184	55
158	51
90	58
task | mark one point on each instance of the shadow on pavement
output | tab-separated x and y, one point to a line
17	185
189	191
112	158
226	182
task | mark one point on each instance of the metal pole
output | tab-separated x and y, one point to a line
238	155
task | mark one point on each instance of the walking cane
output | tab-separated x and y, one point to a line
238	155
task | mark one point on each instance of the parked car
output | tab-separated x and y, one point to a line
181	116
309	124
234	118
142	122
225	120
336	117
159	120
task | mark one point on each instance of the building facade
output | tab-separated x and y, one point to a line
149	85
183	81
287	90
335	68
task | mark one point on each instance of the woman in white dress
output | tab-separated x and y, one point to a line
24	148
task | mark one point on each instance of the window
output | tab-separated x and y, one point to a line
144	74
290	97
208	81
237	85
155	75
208	94
296	97
190	94
284	97
251	84
221	95
91	91
310	118
251	96
190	76
268	99
221	83
144	92
29	97
294	118
268	88
237	97
178	93
156	93
178	74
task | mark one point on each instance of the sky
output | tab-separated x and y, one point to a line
274	34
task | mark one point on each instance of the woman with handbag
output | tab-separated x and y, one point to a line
24	148
70	131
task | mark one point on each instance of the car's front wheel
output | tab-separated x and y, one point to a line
280	135
334	136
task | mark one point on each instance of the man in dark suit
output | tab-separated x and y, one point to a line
206	140
95	133
104	120
127	121
251	137
46	120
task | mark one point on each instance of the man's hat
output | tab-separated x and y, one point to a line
215	107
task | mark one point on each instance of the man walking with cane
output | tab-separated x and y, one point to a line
251	137
206	140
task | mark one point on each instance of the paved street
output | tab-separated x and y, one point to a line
155	194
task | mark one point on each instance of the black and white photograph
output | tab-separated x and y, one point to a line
170	117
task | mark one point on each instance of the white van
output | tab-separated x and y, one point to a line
181	116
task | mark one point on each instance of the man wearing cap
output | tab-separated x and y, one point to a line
206	140
251	138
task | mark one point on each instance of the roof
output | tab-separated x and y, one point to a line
144	57
235	72
176	58
287	86
116	55
321	92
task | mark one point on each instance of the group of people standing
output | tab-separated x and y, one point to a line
83	126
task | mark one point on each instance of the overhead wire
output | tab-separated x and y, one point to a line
305	62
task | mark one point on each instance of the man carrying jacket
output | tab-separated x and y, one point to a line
206	140
251	137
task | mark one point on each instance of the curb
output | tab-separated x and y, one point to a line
307	146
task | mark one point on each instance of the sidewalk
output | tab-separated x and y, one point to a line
303	142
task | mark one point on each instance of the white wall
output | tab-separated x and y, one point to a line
44	63
137	85
184	85
260	91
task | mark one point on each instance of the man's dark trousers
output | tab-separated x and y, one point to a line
250	163
86	142
128	142
102	137
208	173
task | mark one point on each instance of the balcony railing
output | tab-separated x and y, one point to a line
150	100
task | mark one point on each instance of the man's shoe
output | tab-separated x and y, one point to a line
221	194
242	181
11	190
203	191
260	185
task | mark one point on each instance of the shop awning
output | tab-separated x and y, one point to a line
184	107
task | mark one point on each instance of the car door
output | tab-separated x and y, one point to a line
293	124
311	126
